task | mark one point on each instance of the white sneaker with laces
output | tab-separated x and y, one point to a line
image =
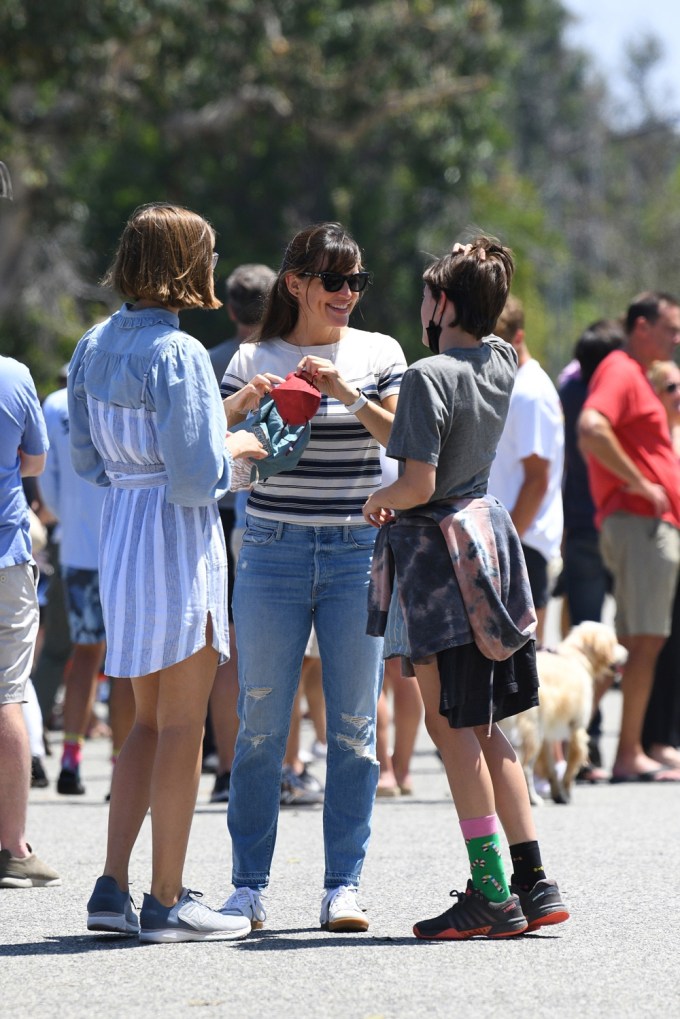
246	902
340	910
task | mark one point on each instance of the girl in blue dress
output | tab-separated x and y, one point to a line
147	422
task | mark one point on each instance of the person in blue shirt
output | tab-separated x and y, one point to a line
23	446
78	507
147	422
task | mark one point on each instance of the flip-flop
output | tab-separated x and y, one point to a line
592	775
653	775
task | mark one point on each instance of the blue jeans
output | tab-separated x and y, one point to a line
288	577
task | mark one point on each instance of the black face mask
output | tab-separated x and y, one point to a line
434	331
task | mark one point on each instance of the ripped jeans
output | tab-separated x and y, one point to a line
288	577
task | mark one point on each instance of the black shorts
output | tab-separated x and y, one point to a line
475	690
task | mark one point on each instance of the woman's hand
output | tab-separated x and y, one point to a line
244	444
374	512
325	376
248	398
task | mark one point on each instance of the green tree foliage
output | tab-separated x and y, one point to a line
407	121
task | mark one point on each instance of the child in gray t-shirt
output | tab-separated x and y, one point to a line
457	405
459	564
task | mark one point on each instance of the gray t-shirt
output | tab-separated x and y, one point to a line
451	412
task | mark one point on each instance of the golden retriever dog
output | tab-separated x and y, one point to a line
587	659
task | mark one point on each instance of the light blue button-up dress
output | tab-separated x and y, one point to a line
147	422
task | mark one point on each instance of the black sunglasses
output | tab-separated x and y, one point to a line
334	281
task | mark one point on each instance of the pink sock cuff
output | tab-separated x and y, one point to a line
479	827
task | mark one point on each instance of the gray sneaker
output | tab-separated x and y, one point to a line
28	873
301	790
188	920
110	909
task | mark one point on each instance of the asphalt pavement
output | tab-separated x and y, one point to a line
613	851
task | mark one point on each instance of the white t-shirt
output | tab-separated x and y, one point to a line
535	426
340	467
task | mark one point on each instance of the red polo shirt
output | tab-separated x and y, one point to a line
621	392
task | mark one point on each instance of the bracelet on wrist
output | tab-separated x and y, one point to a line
360	402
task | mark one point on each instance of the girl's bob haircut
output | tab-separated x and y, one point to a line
165	255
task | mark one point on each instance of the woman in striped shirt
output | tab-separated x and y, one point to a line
306	559
147	423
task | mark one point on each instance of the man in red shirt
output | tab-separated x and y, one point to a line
635	483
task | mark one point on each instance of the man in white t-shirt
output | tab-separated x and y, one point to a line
526	475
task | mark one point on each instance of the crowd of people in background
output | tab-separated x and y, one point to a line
163	561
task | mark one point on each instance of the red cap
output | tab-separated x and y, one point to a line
297	401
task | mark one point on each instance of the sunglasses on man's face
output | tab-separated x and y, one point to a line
334	281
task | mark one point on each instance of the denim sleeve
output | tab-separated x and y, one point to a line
84	456
191	422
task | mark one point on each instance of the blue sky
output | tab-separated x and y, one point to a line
604	26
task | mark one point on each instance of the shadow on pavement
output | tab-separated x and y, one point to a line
74	944
260	941
277	941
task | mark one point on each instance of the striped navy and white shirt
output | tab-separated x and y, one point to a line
341	464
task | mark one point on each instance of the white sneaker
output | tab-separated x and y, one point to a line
246	902
340	910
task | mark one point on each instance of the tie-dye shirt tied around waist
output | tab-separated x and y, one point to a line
479	592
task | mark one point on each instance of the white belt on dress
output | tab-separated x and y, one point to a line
136	475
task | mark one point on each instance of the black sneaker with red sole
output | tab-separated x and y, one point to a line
543	905
474	916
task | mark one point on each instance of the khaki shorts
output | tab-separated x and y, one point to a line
19	617
643	556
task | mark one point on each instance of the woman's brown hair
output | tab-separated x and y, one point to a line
165	255
322	247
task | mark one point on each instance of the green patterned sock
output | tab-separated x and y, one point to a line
486	865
